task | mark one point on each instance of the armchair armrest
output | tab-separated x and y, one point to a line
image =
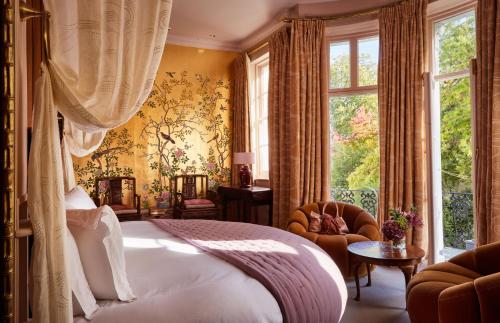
488	258
488	293
459	304
369	231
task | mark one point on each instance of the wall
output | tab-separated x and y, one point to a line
184	127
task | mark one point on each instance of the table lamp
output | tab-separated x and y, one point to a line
244	159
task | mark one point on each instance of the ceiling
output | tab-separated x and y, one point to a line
238	24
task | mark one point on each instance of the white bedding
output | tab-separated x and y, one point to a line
176	282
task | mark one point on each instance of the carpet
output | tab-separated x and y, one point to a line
382	302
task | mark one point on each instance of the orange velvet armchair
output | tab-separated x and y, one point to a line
464	289
362	227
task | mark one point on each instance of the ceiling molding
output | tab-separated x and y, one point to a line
205	44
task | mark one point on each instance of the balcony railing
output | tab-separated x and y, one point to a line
457	212
457	219
365	198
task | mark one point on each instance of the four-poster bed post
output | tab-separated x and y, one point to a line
14	225
7	159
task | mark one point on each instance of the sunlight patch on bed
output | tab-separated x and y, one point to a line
142	243
258	245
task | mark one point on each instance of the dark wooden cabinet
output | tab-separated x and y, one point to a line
246	198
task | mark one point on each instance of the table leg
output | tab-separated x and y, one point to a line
407	271
368	270
356	279
415	268
270	215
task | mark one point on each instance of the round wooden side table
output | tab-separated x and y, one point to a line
383	254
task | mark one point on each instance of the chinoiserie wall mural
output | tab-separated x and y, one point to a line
183	128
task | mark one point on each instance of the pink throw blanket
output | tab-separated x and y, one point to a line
304	280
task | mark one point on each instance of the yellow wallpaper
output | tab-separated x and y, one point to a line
184	127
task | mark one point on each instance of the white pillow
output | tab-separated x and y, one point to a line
77	198
83	299
102	256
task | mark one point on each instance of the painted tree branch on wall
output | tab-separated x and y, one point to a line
166	129
212	106
104	161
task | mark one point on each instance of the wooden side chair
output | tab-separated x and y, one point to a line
191	197
120	194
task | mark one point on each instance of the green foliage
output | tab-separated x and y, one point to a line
456	39
355	152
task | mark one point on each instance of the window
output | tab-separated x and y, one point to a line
454	44
259	84
354	118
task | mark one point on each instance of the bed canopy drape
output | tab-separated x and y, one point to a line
104	59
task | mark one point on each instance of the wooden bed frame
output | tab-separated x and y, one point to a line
15	228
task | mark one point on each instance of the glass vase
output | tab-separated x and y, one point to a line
399	244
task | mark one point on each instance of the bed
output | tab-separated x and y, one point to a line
175	281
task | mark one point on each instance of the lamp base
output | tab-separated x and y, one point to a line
245	177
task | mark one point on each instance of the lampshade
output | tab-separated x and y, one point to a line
243	158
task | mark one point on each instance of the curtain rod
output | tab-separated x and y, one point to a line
361	13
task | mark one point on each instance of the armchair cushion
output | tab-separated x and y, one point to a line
362	227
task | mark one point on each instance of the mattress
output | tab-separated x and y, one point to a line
177	282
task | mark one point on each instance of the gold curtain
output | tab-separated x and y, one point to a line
486	119
298	117
241	114
402	113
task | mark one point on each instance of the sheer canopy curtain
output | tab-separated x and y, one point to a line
298	117
241	113
486	121
402	114
104	59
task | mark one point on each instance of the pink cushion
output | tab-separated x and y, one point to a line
314	222
198	202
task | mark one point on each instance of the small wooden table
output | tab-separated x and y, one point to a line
252	196
383	254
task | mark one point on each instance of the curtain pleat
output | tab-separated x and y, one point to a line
486	120
402	115
298	117
241	113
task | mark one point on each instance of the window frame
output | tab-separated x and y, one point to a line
354	89
434	109
256	118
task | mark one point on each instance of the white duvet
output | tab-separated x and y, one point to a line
176	282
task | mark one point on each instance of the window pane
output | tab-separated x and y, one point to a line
368	61
340	65
456	161
264	159
263	106
264	78
263	137
354	142
455	42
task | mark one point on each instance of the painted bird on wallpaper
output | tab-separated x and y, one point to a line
167	137
99	154
213	138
